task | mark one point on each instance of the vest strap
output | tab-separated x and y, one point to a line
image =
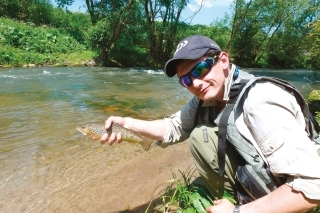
196	117
222	133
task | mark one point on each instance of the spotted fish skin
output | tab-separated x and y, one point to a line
98	129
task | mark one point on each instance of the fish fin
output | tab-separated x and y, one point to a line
146	144
96	137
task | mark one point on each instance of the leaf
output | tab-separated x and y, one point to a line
188	210
226	195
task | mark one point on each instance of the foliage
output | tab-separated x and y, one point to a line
219	31
42	40
112	17
146	32
263	34
163	19
38	12
187	195
128	51
318	117
314	49
74	24
315	210
24	44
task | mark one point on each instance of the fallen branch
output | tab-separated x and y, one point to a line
306	78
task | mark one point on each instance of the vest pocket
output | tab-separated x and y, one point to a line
251	182
279	151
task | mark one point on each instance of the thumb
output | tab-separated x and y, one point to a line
217	202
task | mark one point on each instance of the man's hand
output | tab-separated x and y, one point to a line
113	137
221	206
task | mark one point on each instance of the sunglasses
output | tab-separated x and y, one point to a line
199	71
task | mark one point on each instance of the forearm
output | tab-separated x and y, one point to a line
284	199
155	129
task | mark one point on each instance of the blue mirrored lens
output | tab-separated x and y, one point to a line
185	81
201	69
198	71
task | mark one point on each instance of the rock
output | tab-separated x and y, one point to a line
313	100
90	63
29	65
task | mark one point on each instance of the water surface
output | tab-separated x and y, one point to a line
46	165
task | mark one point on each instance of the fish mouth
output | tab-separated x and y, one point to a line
81	129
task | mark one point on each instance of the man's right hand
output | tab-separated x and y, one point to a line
114	137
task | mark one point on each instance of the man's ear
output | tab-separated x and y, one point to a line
224	58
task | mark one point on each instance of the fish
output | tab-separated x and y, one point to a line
98	129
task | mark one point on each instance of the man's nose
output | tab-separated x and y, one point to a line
197	82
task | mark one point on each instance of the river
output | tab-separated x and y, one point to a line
46	165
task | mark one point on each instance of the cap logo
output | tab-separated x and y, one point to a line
181	45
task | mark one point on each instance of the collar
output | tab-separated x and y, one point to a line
234	72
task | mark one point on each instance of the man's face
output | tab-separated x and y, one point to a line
209	87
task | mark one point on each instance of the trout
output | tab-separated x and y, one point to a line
98	129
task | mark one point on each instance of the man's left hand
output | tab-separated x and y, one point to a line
221	206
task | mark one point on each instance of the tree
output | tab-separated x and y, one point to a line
106	31
314	37
263	34
163	18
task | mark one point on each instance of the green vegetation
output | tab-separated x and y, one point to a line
318	117
23	43
186	194
145	33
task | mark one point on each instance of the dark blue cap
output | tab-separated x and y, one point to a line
192	47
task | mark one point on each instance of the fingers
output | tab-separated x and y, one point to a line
110	139
222	205
113	137
216	202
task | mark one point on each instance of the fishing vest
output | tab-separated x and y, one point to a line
254	179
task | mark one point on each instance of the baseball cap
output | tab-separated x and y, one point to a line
192	47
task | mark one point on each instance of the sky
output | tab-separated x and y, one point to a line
211	10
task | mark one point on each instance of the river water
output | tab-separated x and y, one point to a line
45	164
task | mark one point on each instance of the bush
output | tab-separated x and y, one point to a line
73	24
38	12
24	43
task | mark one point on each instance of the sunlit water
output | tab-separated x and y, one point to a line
46	165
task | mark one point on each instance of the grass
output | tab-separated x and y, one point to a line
185	194
10	56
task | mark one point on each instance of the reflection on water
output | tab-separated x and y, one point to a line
46	165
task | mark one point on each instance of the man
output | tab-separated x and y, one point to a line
271	120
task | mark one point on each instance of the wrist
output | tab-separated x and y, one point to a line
236	209
128	123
